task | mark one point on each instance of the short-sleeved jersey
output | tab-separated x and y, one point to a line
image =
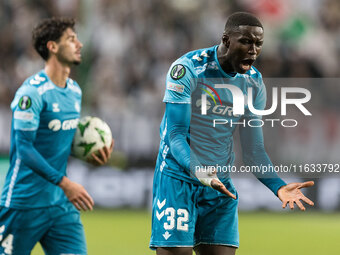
191	75
52	113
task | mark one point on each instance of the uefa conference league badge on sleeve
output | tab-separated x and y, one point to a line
25	103
177	72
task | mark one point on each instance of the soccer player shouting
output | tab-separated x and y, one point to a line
38	202
196	209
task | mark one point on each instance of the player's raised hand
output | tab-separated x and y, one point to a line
77	194
102	156
290	194
209	178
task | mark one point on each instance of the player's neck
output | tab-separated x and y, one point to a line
57	72
223	60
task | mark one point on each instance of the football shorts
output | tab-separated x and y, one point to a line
57	228
186	215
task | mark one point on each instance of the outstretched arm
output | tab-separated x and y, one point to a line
254	154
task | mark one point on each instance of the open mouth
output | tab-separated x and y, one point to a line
246	64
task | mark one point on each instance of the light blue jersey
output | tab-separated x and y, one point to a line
50	114
194	99
191	75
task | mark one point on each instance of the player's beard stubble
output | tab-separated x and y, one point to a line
68	58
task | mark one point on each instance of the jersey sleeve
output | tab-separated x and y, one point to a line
26	107
33	159
180	82
252	142
254	154
178	125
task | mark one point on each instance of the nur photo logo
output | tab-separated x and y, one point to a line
242	102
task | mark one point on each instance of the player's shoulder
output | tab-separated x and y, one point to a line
197	57
74	86
38	83
28	92
36	80
33	84
190	61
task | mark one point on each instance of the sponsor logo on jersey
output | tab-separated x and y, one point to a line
210	93
25	102
218	109
56	125
23	115
175	87
177	72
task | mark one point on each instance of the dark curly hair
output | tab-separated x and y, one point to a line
49	30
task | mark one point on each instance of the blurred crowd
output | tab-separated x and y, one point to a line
130	44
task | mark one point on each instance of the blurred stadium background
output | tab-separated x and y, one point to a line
128	48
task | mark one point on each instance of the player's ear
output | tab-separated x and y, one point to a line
52	46
226	39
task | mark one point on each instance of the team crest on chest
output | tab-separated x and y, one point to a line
55	107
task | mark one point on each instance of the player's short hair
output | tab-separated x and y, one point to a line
241	19
49	30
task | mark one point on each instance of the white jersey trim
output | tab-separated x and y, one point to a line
73	87
13	179
48	86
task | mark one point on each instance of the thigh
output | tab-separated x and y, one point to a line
20	230
174	251
174	213
66	235
206	249
217	222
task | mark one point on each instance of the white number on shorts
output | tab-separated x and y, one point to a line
171	218
181	225
181	220
7	244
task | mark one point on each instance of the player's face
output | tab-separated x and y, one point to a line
244	47
69	48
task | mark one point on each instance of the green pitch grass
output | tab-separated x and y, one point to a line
127	232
